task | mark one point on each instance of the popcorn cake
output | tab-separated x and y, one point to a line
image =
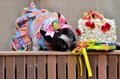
94	26
97	29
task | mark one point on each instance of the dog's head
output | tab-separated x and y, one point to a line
63	39
59	34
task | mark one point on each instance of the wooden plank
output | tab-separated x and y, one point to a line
83	69
112	66
61	67
51	63
20	65
31	72
1	67
41	67
93	64
102	67
118	66
71	67
28	53
10	67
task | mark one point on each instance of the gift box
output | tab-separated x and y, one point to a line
94	26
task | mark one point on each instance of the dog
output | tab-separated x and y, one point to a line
62	40
44	29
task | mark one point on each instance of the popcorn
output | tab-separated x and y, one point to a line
95	26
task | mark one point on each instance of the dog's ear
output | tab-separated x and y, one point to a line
47	38
42	32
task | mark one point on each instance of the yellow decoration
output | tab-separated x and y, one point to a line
81	50
101	47
85	14
56	26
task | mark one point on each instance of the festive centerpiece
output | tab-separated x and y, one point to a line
96	29
94	32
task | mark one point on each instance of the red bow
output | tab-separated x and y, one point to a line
90	24
106	27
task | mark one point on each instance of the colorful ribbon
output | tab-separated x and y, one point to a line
99	46
51	29
93	14
81	50
90	45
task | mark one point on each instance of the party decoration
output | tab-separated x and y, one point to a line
81	50
96	27
94	33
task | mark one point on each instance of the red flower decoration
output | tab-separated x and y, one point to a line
78	32
90	25
106	27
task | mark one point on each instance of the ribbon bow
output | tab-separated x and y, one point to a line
81	50
92	14
57	24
